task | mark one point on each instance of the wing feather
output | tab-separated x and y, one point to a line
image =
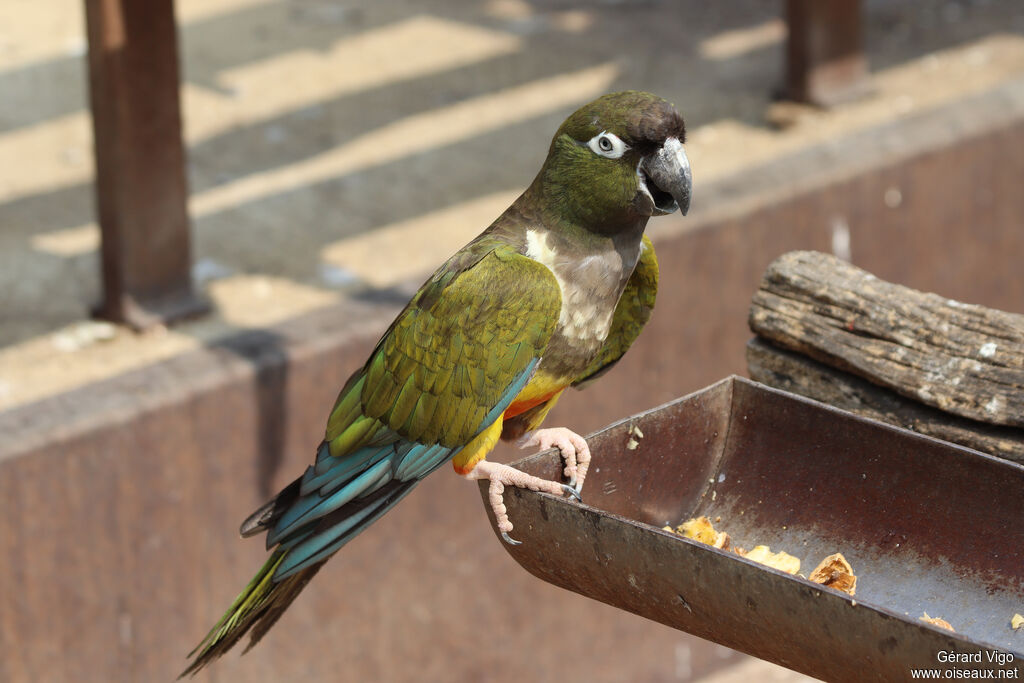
455	349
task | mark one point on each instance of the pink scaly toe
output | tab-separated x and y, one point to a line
501	476
572	446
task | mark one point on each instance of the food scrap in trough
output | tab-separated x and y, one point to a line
936	621
701	529
781	560
833	572
634	435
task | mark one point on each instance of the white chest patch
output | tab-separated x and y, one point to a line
588	285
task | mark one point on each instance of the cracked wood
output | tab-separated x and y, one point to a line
960	358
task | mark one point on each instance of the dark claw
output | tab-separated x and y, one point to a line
572	492
509	539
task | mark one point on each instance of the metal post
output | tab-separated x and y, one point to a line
140	162
825	61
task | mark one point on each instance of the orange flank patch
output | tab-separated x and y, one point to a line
542	388
520	407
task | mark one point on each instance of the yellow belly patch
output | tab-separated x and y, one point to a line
541	387
478	448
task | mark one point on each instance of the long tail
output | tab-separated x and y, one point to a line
314	516
307	531
256	608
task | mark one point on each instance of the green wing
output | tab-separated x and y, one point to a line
631	314
452	354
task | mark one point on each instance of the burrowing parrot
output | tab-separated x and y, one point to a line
549	296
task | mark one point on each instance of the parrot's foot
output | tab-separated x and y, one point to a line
502	475
573	447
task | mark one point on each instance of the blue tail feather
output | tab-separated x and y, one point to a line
414	459
339	470
295	539
324	460
343	475
330	540
302	553
313	506
298	510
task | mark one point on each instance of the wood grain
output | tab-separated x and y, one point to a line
960	358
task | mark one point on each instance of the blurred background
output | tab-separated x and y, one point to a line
335	153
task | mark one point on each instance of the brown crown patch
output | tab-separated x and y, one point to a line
639	118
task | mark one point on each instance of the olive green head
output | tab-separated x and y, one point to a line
617	161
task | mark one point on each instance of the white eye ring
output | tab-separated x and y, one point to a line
607	145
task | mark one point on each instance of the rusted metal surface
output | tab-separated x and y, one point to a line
140	162
926	525
825	60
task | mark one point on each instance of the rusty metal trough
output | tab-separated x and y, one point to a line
926	525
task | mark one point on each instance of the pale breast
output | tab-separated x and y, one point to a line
590	283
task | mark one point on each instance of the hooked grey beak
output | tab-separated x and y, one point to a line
665	175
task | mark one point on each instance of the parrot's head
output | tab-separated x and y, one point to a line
617	161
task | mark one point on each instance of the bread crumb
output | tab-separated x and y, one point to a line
700	529
936	621
835	572
781	560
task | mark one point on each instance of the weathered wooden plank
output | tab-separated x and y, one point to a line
964	359
799	374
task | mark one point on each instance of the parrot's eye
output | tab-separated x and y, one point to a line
607	145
